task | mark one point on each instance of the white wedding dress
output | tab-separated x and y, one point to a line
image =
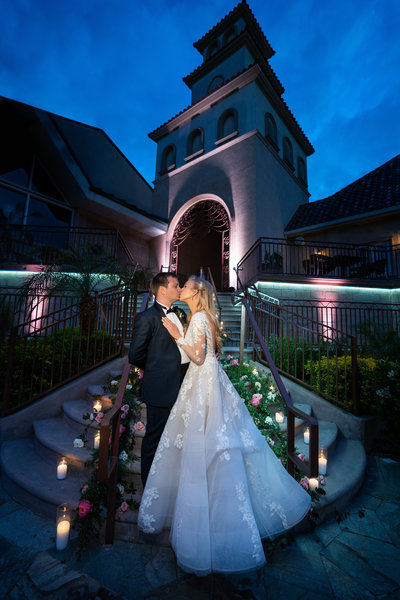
214	479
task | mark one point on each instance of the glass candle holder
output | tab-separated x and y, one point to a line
62	468
307	436
63	527
313	483
322	463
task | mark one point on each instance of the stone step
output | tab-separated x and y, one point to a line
345	475
74	411
31	478
55	437
327	434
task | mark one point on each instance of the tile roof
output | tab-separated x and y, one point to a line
378	190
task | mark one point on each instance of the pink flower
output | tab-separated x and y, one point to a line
99	417
84	508
121	429
124	507
138	426
125	408
304	483
229	357
258	396
85	488
141	373
234	363
255	401
322	480
301	456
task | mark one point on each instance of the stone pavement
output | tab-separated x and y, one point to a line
358	558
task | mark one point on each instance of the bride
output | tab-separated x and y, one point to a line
214	479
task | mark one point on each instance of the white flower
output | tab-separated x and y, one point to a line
390	374
257	385
254	371
246	364
271	442
243	377
120	487
114	382
78	443
129	387
268	420
271	395
123	456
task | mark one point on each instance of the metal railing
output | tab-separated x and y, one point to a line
54	348
109	453
205	273
277	257
310	469
41	245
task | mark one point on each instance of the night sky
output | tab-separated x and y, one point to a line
118	65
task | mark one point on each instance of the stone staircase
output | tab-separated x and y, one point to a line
35	439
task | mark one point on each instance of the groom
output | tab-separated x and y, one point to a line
155	352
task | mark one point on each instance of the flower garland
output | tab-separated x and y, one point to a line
92	506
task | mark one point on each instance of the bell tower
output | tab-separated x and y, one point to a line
237	144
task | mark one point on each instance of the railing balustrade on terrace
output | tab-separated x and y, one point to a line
28	245
320	357
276	257
52	349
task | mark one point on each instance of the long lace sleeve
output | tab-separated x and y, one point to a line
198	349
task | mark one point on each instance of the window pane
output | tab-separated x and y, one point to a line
15	172
196	143
41	183
12	205
46	213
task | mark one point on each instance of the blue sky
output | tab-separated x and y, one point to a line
118	65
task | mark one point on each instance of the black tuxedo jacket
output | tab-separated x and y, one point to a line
155	351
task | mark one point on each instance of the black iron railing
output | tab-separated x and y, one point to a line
276	257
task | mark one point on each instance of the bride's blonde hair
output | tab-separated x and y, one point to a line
206	303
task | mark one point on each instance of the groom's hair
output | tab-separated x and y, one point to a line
161	280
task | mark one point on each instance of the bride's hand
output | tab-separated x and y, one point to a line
171	327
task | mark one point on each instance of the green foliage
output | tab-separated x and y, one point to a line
40	363
382	343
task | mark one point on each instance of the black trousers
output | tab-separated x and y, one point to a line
157	417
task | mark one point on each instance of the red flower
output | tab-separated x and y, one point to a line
85	507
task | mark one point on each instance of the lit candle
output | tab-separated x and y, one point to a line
62	468
322	463
313	483
96	443
97	406
279	417
63	528
307	436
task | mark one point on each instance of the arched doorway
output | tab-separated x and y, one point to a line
201	239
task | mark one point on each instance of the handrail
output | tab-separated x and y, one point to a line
211	281
109	455
311	470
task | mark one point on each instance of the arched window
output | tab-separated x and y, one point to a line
270	130
227	123
168	158
215	83
212	49
301	170
288	153
195	142
229	35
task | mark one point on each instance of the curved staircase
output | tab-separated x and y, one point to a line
29	454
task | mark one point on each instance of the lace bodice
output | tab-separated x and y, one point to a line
198	342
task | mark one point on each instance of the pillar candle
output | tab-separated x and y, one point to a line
313	483
279	417
322	463
96	442
63	528
307	436
62	468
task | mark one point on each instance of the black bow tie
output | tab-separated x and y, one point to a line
169	310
